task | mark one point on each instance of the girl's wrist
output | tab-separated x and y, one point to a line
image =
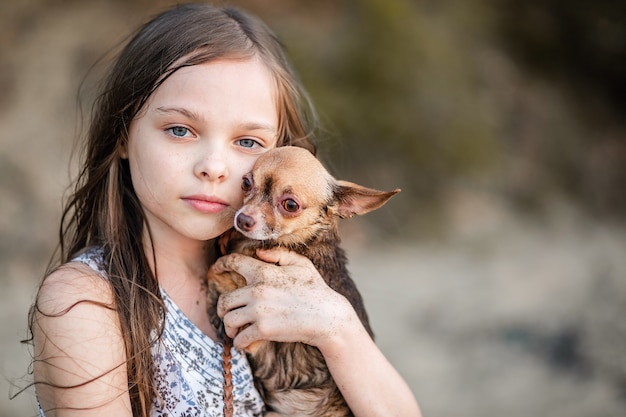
342	332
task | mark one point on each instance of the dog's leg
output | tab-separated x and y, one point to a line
219	284
223	283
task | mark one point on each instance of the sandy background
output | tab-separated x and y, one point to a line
503	312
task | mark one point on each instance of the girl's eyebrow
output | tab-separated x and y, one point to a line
268	127
181	110
259	126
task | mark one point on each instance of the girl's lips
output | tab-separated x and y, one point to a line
205	204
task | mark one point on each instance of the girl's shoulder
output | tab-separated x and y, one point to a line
78	343
77	281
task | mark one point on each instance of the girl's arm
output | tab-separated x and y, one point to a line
79	357
291	302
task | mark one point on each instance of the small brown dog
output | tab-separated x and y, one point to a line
293	202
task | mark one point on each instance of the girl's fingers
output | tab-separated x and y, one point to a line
229	301
246	337
245	266
265	269
235	320
282	257
242	324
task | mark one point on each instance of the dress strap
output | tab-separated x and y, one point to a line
93	257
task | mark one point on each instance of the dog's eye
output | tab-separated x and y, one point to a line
246	184
290	205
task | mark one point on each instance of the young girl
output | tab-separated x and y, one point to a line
120	327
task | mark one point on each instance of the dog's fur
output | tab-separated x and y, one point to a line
293	202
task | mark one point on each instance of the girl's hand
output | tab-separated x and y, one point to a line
286	300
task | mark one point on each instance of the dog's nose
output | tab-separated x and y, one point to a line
245	222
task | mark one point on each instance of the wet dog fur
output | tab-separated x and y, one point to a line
291	201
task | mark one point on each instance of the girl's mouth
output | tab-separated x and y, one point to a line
206	204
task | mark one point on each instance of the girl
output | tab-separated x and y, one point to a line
120	326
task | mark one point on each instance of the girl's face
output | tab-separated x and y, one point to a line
195	138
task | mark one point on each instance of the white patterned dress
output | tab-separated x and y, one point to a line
188	366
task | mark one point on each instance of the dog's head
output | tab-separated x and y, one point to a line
289	197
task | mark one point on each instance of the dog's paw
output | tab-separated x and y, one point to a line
225	282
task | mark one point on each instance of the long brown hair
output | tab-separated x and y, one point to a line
104	210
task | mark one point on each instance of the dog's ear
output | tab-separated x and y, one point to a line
355	199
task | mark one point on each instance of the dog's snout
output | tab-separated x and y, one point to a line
245	222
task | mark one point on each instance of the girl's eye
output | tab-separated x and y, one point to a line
178	131
248	143
290	206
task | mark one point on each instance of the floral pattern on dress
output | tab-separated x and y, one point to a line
188	366
189	371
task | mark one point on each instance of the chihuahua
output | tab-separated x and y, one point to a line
291	201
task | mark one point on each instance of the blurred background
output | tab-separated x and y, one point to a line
496	281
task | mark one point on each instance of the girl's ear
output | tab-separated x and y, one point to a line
355	199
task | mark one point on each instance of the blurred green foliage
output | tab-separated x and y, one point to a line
577	43
523	98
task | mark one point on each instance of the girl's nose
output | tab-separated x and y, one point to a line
212	167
